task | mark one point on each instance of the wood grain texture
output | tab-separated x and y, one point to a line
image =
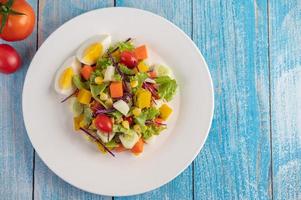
285	54
16	152
234	163
178	12
52	14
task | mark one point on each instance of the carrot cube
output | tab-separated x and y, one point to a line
141	52
116	89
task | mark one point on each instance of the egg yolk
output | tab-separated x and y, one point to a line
65	81
93	52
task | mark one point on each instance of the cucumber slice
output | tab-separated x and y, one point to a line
129	139
122	107
105	137
162	70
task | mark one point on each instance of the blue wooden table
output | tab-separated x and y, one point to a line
253	49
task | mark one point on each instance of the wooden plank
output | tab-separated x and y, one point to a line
285	64
179	12
16	155
234	163
51	15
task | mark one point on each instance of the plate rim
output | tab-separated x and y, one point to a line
211	89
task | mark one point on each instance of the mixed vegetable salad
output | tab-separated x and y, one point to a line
118	100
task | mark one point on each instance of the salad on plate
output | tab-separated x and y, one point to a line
118	100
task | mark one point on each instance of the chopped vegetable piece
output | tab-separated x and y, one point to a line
134	83
142	67
86	71
165	111
141	52
76	122
137	128
138	147
143	99
125	124
152	74
116	89
122	107
103	96
109	74
136	111
84	96
129	139
159	120
120	148
98	80
104	123
105	137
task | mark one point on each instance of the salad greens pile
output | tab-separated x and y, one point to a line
121	102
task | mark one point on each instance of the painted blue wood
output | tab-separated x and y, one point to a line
16	153
51	15
178	12
234	163
285	54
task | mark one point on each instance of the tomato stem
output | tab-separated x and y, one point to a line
5	11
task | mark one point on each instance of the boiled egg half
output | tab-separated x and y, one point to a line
90	51
63	78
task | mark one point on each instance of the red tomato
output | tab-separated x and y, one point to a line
18	27
104	123
129	59
10	60
129	119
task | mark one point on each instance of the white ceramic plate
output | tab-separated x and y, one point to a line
77	161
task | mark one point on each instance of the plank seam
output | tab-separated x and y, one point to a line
270	102
193	163
34	151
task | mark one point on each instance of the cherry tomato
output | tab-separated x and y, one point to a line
18	27
129	59
104	123
10	60
129	119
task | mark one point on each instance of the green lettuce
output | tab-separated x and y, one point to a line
167	87
147	114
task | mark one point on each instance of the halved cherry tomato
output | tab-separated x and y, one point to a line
104	123
129	59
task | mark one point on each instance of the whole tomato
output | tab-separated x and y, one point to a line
10	60
104	123
20	20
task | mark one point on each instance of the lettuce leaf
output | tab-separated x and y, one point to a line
79	84
140	77
167	87
152	130
126	70
122	46
103	63
88	115
147	114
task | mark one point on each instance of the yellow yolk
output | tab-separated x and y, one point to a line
65	81
93	52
